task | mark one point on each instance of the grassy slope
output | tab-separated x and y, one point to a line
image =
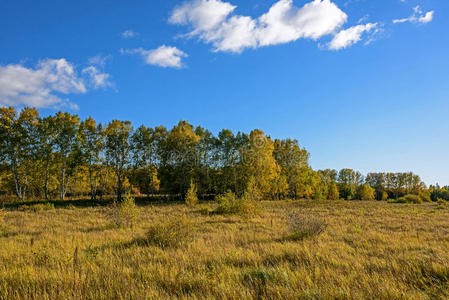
369	250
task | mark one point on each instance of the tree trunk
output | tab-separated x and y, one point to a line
62	187
16	180
46	178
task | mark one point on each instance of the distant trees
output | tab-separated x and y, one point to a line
62	155
118	150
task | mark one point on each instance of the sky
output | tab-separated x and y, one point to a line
361	84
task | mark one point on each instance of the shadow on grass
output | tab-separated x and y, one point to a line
85	203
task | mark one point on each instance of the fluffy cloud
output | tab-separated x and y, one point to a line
350	36
212	22
97	78
417	17
164	56
128	34
42	85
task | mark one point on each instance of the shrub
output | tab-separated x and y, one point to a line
413	199
366	192
191	197
333	193
252	192
440	201
317	195
172	233
301	227
127	213
384	196
229	203
407	199
204	210
425	196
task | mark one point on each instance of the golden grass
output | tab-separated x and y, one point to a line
368	250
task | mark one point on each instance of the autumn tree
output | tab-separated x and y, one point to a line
91	144
293	161
118	150
179	157
18	133
66	143
260	163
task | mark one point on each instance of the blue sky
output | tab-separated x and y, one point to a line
361	84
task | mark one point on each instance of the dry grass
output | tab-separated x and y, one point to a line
369	250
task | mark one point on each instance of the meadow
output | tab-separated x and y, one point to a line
368	249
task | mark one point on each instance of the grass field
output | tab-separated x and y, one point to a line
368	250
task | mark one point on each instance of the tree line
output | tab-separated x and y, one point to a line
60	155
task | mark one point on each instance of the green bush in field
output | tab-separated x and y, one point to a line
415	199
191	197
229	203
170	234
127	213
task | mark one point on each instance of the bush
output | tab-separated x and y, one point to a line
317	195
127	213
301	227
407	199
229	203
366	192
252	192
191	197
173	233
413	199
204	210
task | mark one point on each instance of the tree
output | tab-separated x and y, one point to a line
179	157
191	196
18	145
66	143
46	146
260	163
118	148
365	192
144	144
333	193
293	161
91	143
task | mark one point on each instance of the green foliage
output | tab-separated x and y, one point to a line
171	234
414	199
333	193
204	209
59	155
229	203
365	192
191	196
128	212
318	195
252	192
301	227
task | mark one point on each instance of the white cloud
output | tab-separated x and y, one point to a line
164	56
204	15
210	20
350	36
100	60
128	34
97	78
417	17
41	86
